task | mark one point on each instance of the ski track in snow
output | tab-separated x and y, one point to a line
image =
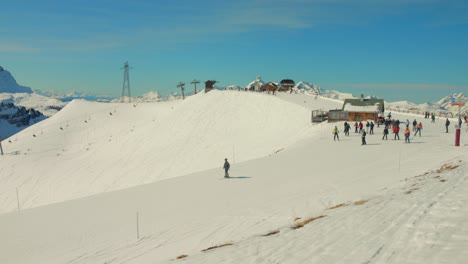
425	225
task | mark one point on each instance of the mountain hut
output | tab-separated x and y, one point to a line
358	110
286	85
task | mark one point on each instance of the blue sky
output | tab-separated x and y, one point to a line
414	50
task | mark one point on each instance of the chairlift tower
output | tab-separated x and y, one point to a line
126	83
195	82
181	86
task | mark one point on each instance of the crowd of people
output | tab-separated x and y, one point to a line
392	125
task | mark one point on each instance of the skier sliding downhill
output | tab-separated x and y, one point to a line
226	168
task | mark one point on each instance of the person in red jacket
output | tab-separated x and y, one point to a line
418	129
396	130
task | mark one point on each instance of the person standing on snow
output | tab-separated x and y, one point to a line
407	134
385	133
363	137
356	127
415	124
418	129
226	168
447	124
371	127
360	127
335	134
396	130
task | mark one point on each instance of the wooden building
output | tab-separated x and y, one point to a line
286	85
358	110
270	86
209	85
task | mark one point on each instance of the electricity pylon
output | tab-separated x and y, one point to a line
126	83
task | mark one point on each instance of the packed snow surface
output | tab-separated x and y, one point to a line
294	196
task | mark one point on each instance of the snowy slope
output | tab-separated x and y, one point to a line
387	202
123	145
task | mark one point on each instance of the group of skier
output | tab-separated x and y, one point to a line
389	125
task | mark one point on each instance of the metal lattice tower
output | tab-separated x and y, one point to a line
195	82
126	83
181	86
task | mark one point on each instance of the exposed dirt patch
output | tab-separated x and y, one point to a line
411	190
301	224
447	167
271	233
338	206
217	246
361	202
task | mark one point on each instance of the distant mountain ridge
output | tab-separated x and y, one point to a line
8	83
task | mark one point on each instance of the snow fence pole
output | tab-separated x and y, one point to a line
1	149
137	227
17	198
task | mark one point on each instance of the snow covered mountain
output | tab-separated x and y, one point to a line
20	107
122	183
151	96
14	118
67	97
46	105
256	84
446	103
116	183
8	83
307	86
443	107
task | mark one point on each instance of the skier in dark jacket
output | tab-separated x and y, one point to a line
363	137
447	124
226	168
385	133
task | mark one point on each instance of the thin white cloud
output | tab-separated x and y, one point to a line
14	47
400	86
180	23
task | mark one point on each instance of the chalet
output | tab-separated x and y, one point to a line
286	85
358	110
270	86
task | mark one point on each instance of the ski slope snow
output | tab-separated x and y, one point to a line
122	183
